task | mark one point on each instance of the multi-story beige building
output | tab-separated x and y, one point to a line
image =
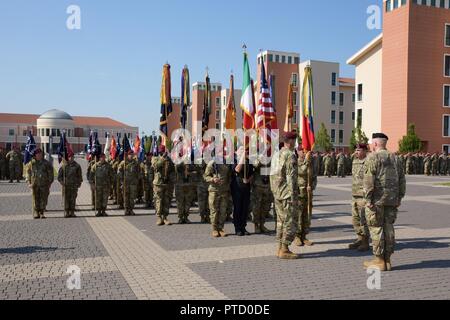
368	76
333	101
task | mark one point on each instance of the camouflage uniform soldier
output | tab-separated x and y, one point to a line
183	191
328	165
39	178
140	186
129	173
14	164
102	176
91	184
284	185
118	183
149	175
427	164
435	164
358	202
2	164
201	185
164	171
261	196
448	165
218	176
409	164
341	166
305	185
443	164
70	178
384	188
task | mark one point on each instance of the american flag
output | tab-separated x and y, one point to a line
266	117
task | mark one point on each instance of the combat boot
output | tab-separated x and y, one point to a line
215	234
257	228
167	222
355	245
286	254
298	242
377	263
203	219
66	214
364	246
41	214
223	234
307	242
99	213
388	262
181	221
264	229
187	221
279	249
159	222
10	181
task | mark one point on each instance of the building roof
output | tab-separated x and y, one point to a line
56	114
347	82
365	50
31	119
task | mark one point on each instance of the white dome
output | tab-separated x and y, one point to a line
56	115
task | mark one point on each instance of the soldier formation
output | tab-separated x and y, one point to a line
287	182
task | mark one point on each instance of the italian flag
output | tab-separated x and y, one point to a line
247	104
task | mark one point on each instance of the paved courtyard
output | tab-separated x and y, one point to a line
131	258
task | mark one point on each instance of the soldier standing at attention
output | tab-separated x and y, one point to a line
218	176
262	196
91	185
443	164
384	189
163	181
39	178
183	193
102	176
305	185
2	164
14	164
328	165
435	164
70	178
284	185
427	164
341	166
202	190
358	202
149	175
129	173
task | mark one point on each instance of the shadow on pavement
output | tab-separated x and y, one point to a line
434	264
29	250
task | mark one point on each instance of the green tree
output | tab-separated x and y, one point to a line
323	140
358	136
411	142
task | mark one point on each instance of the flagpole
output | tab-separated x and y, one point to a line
245	129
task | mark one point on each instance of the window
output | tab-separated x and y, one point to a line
217	125
295	116
433	3
333	78
333	135
283	59
447	66
290	60
353	116
359	118
47	132
341	117
446	148
353	98
446	96
218	100
333	117
446	126
442	4
296	60
388	5
341	136
11	132
294	79
396	4
224	101
447	35
341	99
277	58
217	114
294	98
360	92
270	57
333	97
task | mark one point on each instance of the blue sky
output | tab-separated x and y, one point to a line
112	66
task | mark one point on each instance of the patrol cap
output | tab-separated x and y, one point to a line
361	146
289	136
379	136
37	151
130	151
